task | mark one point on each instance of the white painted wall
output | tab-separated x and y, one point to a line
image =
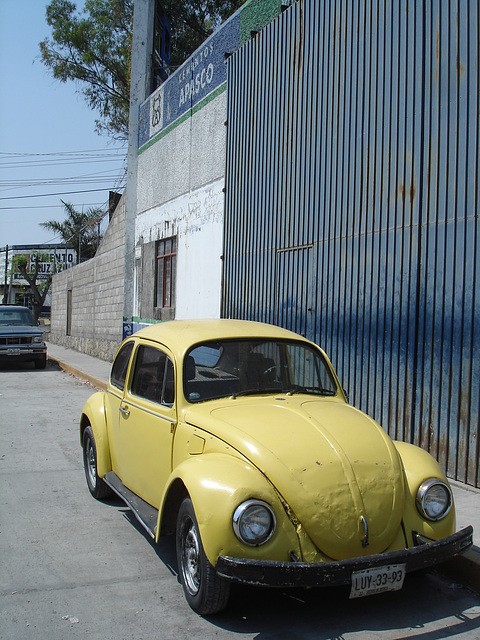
196	218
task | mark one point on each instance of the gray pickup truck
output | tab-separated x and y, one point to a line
20	338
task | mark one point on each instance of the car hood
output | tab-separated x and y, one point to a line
337	470
14	330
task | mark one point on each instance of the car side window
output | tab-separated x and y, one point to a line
120	366
153	376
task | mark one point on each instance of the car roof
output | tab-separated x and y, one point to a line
180	335
13	306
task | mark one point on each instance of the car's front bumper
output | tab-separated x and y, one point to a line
322	574
21	353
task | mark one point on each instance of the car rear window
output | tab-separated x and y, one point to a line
120	366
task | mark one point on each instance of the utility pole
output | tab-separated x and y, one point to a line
5	288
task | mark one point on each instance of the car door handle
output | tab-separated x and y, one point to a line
124	412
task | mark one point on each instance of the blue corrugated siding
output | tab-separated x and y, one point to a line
352	205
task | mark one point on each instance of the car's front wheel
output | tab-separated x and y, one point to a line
96	485
41	363
205	592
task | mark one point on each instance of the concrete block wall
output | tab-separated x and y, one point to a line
97	296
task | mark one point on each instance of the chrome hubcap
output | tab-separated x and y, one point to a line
191	558
90	458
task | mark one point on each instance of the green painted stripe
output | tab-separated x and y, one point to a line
188	114
145	320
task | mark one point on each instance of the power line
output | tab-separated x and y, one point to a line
65	193
64	158
15	161
58	153
60	183
27	165
52	206
83	175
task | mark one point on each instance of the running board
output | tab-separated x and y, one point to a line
144	512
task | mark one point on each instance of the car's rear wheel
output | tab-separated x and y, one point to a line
96	485
205	592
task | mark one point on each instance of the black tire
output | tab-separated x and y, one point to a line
96	485
204	591
41	363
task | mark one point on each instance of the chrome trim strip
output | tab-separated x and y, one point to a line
135	406
152	413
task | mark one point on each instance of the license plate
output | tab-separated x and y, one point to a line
377	580
13	352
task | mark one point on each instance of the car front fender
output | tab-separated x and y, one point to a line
94	414
217	483
418	466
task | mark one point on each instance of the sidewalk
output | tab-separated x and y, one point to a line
465	569
86	367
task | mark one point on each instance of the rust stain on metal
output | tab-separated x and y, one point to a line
298	55
460	66
408	192
437	50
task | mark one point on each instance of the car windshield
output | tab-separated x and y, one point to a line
20	317
242	367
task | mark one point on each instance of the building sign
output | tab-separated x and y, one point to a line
201	75
52	260
204	74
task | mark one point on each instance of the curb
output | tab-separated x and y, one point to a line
99	384
464	569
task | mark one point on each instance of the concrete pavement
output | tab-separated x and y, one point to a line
465	569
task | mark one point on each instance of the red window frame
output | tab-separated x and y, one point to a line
165	276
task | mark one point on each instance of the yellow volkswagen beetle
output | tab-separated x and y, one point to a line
237	437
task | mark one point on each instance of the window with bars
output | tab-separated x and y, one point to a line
166	257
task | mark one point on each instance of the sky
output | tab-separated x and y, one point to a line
49	150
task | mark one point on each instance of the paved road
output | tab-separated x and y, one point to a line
72	567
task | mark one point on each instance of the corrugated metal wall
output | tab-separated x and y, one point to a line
352	205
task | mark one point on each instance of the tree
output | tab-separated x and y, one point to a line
94	48
29	267
79	230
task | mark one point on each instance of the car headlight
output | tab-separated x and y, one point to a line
37	339
434	499
254	522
